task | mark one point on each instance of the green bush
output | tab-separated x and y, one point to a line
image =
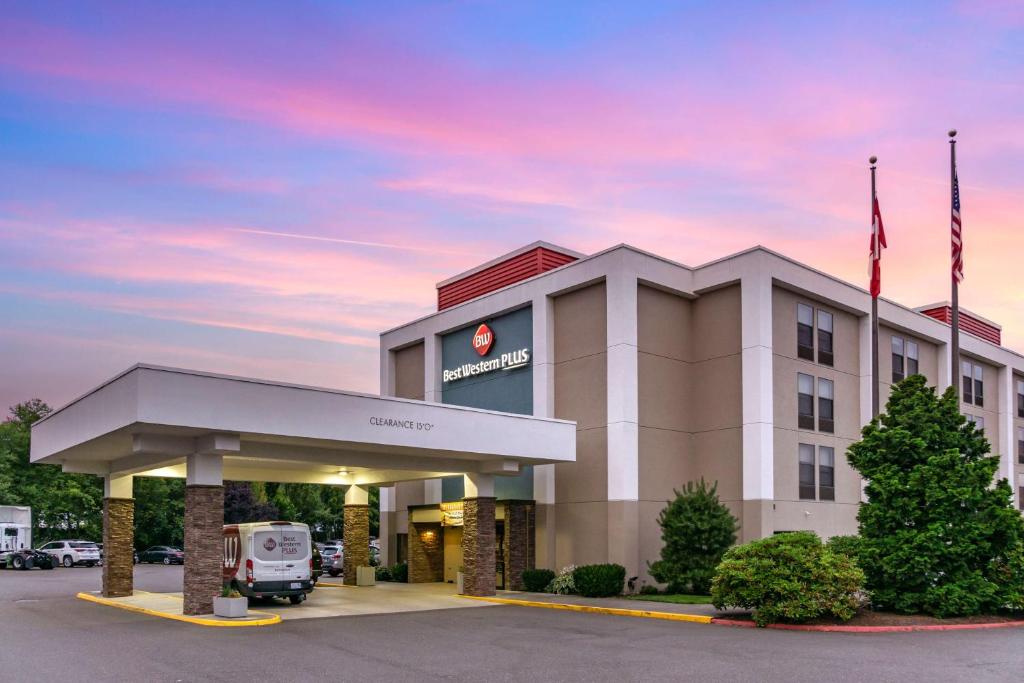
400	572
382	574
599	580
846	545
563	584
787	577
696	530
536	580
648	590
939	533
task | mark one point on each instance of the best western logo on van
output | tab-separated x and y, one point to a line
483	338
507	361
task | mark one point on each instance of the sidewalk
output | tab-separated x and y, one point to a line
614	603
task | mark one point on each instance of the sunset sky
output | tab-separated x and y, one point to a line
261	188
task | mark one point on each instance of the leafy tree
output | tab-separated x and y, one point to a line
696	530
159	511
937	535
62	504
243	504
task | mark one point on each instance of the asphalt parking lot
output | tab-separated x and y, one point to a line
48	634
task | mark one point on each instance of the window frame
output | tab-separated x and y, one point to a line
805	420
803	488
966	381
902	355
826	492
803	351
826	424
1020	445
1020	398
823	336
916	358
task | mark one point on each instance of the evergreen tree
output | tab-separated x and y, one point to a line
696	529
938	534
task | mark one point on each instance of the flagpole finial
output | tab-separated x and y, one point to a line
873	160
952	132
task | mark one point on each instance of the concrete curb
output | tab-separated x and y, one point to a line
838	628
618	611
321	584
269	620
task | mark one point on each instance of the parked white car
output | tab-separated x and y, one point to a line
71	553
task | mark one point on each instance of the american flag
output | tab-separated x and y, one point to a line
957	232
877	245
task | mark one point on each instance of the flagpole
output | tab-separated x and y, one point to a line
874	312
954	360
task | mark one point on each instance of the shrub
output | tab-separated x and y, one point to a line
599	580
536	580
939	534
787	577
696	530
382	574
399	572
648	590
846	545
563	584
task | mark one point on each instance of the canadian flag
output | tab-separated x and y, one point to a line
877	245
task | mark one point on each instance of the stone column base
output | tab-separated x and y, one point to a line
357	540
520	552
426	552
478	558
204	547
118	547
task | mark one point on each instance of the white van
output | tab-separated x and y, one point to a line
269	560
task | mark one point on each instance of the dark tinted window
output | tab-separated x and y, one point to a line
826	417
826	473
806	471
825	338
804	332
805	401
913	368
897	360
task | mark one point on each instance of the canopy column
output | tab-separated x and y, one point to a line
357	532
118	536
204	532
478	552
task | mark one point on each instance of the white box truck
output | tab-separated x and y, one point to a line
15	527
269	560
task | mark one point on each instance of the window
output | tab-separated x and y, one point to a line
973	382
824	337
1020	498
804	332
805	401
978	421
826	473
1020	398
913	367
826	418
807	472
1020	445
897	360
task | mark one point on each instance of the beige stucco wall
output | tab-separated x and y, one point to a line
790	513
580	394
928	360
690	404
409	383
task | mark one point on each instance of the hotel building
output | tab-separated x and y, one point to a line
752	371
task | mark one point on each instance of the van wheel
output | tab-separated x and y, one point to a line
68	562
295	599
333	572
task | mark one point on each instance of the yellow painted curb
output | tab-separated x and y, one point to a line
201	621
619	611
321	584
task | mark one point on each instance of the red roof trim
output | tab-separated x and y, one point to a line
502	274
968	323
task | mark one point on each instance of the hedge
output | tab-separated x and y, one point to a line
537	580
599	580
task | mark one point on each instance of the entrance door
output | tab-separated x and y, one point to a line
452	552
499	556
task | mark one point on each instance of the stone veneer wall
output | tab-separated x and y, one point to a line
204	547
520	550
426	552
357	540
478	546
118	542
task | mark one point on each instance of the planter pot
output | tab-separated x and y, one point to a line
459	580
366	576
231	608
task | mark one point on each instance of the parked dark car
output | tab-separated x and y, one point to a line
27	558
135	554
162	553
318	564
